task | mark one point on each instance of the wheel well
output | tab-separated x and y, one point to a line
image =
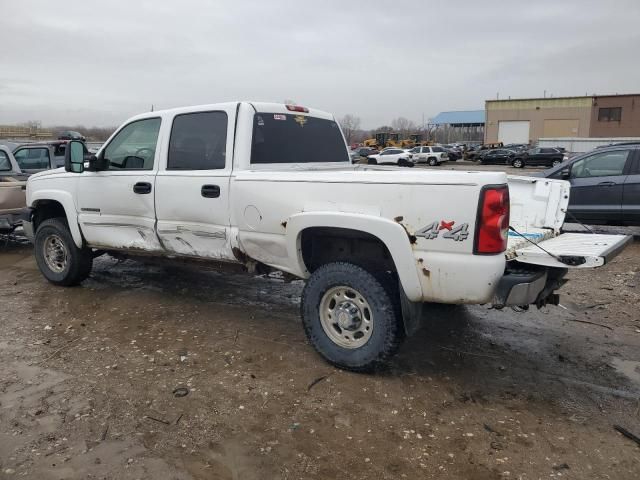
45	209
321	245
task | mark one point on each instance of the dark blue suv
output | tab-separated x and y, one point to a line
605	185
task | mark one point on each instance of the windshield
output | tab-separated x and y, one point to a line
293	138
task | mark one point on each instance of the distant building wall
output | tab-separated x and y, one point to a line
608	121
569	116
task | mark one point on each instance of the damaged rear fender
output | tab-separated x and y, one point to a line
391	233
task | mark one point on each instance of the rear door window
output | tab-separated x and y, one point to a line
289	138
198	141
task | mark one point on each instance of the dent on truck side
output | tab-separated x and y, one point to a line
390	233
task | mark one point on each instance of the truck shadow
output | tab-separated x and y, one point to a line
481	352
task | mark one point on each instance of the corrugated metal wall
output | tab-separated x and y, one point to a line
581	145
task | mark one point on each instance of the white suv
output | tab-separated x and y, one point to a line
434	156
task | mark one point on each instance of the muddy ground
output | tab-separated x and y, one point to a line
87	377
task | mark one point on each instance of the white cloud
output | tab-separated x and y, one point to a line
99	62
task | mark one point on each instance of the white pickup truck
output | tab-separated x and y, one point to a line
271	187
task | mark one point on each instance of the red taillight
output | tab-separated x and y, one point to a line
297	108
493	220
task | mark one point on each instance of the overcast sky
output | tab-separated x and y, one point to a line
99	62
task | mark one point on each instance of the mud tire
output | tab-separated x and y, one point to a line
381	296
78	263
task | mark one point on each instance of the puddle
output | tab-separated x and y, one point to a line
628	368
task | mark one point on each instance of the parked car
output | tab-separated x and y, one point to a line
517	147
454	154
36	157
396	156
359	154
498	156
539	156
473	152
433	156
12	191
605	185
71	135
373	245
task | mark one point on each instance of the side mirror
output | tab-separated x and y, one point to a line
565	173
74	157
97	164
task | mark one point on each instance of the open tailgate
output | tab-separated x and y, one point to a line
573	250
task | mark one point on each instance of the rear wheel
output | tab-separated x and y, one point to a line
58	258
351	317
433	162
517	163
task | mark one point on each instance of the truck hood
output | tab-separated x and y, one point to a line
46	173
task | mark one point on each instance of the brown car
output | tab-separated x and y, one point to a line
13	184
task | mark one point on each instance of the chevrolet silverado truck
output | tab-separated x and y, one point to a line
12	191
271	187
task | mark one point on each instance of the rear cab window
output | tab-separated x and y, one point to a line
293	138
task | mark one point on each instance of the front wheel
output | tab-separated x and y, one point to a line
58	258
555	163
517	163
350	318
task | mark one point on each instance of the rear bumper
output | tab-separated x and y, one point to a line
521	287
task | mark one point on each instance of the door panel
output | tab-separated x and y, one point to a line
596	187
116	207
192	190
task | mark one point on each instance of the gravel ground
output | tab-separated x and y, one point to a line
90	379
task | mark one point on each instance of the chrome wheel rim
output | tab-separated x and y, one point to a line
346	317
55	253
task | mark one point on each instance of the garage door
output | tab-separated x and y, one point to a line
513	132
560	128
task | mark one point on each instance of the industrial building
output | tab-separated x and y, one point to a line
529	119
447	127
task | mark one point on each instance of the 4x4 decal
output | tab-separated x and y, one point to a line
457	233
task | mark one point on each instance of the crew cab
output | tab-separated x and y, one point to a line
271	187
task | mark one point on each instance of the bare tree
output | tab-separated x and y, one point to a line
350	124
403	125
